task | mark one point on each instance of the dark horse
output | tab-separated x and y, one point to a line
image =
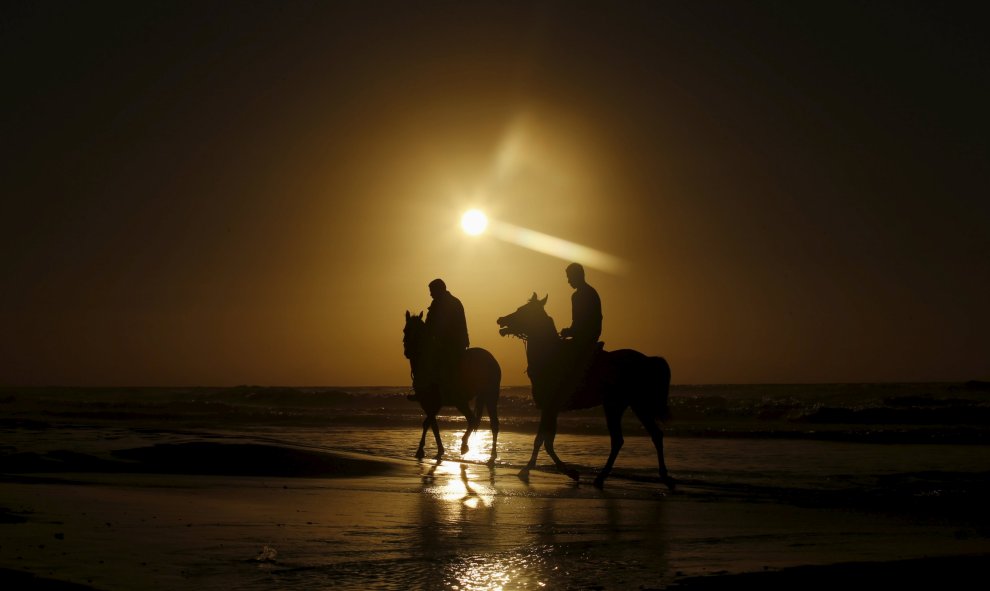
615	380
479	378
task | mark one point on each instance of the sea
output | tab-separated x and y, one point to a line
921	450
945	415
906	439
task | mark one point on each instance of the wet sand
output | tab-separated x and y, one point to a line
256	516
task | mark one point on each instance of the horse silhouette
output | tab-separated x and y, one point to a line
615	380
478	378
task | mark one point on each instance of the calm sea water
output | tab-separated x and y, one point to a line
821	437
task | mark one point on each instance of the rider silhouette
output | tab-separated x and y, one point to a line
447	335
586	309
585	328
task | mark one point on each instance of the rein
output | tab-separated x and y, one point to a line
525	341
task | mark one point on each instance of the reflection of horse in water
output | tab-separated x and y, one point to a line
615	380
478	377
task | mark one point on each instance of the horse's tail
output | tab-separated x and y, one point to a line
479	407
660	370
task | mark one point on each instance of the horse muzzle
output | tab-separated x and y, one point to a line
503	329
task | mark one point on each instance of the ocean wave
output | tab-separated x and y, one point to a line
856	412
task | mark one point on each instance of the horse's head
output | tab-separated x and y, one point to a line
412	334
530	319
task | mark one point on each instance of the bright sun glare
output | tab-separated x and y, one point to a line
474	222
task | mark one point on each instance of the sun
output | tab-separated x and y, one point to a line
474	222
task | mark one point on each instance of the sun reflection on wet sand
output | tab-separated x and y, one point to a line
480	444
483	531
463	490
481	573
534	569
459	484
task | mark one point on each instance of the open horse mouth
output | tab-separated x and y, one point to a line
503	328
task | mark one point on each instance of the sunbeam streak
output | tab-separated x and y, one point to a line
557	247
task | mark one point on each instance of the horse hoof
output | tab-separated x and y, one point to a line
524	475
491	461
668	480
465	448
420	454
600	482
573	475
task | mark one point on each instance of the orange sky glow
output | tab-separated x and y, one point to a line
255	194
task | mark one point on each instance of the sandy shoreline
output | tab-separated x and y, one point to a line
253	516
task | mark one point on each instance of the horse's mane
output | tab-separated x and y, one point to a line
412	335
546	324
551	326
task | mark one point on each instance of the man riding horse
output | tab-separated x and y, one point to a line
585	328
447	337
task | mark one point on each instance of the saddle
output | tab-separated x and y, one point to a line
579	387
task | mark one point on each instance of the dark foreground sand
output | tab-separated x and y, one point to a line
925	573
953	572
254	516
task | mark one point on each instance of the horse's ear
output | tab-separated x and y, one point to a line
420	316
544	300
534	298
407	314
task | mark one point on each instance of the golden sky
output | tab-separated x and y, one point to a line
255	193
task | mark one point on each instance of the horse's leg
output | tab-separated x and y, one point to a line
479	407
656	434
472	422
613	418
422	440
549	435
493	423
537	444
436	436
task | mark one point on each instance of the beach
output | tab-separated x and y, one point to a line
112	501
234	235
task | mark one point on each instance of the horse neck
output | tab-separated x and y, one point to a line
417	363
417	351
542	347
414	361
